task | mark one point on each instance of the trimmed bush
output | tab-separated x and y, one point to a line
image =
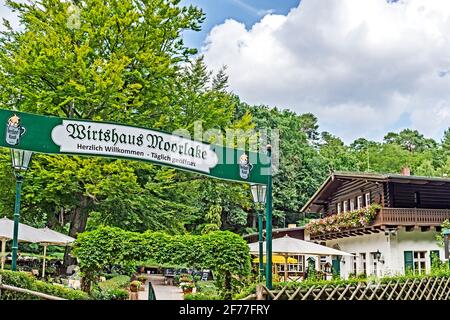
25	281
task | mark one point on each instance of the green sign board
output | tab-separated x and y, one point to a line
44	134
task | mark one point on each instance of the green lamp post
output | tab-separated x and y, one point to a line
20	162
269	222
259	197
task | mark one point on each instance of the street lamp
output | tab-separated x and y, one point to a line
20	162
259	197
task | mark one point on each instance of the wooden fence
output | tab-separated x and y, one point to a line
427	288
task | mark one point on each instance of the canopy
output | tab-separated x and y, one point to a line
52	237
288	245
277	259
26	233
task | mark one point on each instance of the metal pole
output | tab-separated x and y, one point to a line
43	262
15	245
3	253
269	222
260	240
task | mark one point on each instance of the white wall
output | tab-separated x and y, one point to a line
392	248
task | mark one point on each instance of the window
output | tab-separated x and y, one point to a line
363	263
352	204
339	208
323	262
374	263
419	261
293	266
416	199
345	206
354	264
359	202
367	199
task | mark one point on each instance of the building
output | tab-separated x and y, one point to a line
388	221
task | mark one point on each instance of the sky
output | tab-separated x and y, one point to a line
364	68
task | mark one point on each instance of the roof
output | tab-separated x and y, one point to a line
288	245
377	177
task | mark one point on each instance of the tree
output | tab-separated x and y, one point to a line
121	61
337	155
410	140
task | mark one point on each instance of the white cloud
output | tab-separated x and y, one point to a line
7	14
364	67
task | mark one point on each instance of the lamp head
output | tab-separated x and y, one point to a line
20	160
259	193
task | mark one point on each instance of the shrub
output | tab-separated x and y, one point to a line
118	282
26	281
202	296
110	294
224	252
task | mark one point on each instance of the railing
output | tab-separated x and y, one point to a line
411	216
26	291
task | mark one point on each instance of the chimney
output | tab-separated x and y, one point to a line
405	171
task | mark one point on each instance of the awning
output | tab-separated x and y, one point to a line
277	259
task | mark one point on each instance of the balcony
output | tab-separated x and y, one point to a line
393	217
411	217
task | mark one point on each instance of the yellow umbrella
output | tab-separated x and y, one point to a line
277	259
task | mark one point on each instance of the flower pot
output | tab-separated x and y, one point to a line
187	290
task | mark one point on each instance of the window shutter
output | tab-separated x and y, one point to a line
433	253
409	264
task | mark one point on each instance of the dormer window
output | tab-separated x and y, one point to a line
345	206
339	207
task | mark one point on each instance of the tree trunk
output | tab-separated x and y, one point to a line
228	286
77	225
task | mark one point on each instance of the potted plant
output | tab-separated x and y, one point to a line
142	279
135	285
187	287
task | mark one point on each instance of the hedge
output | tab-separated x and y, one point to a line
224	252
25	281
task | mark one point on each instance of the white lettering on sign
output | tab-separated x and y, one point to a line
138	143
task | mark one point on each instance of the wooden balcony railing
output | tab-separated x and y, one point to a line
407	217
411	217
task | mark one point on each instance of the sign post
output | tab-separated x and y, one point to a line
54	135
44	134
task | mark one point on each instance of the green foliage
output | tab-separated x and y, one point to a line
26	281
118	282
202	296
221	251
439	237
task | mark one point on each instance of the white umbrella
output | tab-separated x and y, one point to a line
52	237
25	234
287	245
